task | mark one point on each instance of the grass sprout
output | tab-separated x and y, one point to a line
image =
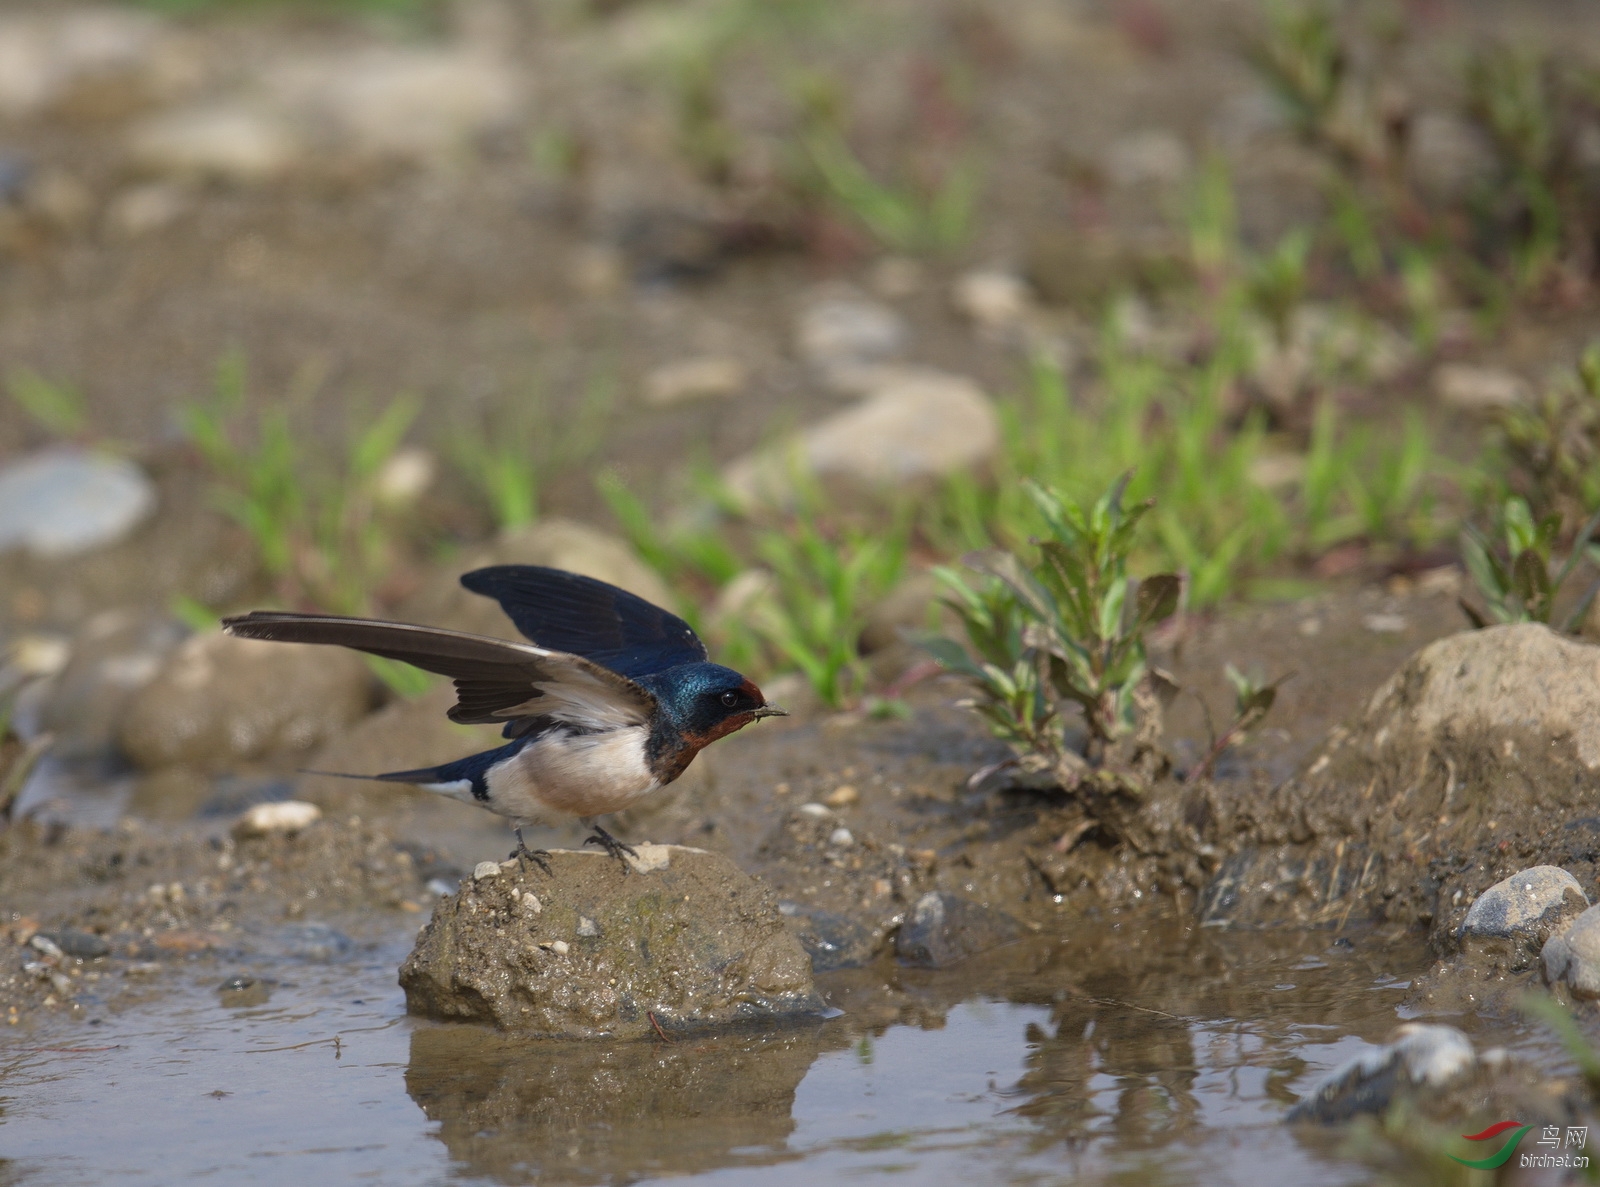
1513	577
319	528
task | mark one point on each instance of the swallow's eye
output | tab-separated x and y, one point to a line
730	699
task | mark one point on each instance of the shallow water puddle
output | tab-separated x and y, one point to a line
1177	1071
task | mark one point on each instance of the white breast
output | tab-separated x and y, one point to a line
562	775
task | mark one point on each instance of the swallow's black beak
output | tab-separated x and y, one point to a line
771	711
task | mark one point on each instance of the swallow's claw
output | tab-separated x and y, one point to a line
539	857
613	846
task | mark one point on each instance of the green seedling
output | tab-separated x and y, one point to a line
56	408
1514	580
319	529
907	217
1252	700
1012	695
1063	626
824	584
509	456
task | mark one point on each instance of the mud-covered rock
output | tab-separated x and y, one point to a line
1572	958
1480	753
555	542
113	656
219	701
685	937
1420	1057
832	941
1515	916
943	929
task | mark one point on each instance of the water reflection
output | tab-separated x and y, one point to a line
1048	1057
554	1112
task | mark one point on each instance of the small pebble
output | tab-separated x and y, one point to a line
485	869
84	945
559	947
841	837
1384	624
531	903
587	928
43	943
233	984
815	811
842	796
286	816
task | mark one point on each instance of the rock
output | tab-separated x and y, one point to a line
832	941
1420	1057
1517	915
46	57
706	377
414	104
238	142
1150	157
555	542
906	435
908	609
842	331
284	816
943	929
843	796
82	945
485	869
1478	389
1483	743
113	656
1572	958
62	502
694	942
992	300
147	207
219	701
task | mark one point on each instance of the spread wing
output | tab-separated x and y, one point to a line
571	613
497	681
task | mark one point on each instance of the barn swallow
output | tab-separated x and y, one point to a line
610	701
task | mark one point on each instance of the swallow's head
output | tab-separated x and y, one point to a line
704	702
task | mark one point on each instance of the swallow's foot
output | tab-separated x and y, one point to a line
614	847
539	857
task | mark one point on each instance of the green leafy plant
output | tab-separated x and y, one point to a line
1513	580
1063	627
1012	696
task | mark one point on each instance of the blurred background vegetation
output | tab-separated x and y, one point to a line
364	285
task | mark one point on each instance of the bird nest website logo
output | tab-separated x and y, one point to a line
1560	1150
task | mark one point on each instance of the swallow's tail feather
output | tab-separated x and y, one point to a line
464	779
